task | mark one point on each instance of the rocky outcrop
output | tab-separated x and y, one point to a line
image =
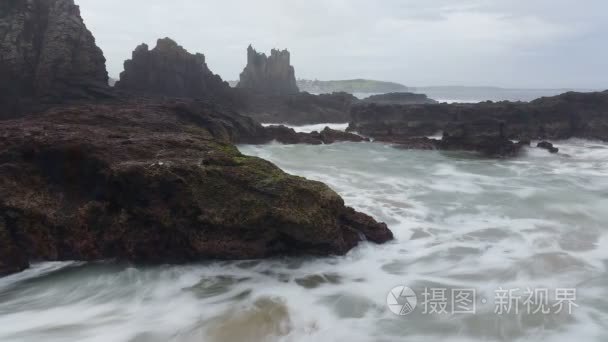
286	135
489	146
492	146
47	55
273	75
547	146
298	109
583	115
170	70
158	182
399	99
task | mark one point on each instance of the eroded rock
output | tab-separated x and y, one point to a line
169	70
273	75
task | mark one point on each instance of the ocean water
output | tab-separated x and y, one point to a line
538	221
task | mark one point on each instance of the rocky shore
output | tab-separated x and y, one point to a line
158	182
148	171
486	127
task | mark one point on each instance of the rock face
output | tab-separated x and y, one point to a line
490	146
399	99
47	55
583	115
170	70
272	75
158	182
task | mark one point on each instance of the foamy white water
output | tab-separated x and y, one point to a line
537	221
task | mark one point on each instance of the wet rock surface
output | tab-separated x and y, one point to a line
288	135
547	146
158	182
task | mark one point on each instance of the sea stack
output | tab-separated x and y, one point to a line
273	75
170	70
47	55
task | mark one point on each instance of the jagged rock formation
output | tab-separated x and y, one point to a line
47	55
158	182
269	75
581	115
170	70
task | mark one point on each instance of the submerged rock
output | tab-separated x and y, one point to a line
156	183
170	70
286	135
547	146
487	145
272	75
47	55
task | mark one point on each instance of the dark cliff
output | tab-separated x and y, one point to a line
170	70
47	55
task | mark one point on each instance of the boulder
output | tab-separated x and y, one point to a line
492	146
547	146
158	182
170	70
47	55
329	136
273	75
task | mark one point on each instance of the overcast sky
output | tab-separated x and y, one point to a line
510	43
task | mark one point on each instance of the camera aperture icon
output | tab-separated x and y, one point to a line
401	300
